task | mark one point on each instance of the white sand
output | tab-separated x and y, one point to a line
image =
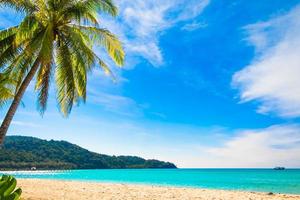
34	189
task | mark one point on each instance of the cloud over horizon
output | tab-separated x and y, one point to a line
264	148
272	77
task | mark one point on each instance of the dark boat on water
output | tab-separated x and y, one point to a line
279	168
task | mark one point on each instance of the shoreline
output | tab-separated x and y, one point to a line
42	189
154	185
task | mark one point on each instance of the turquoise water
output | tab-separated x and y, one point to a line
261	180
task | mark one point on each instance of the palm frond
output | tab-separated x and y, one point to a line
105	38
12	40
44	74
64	78
7	88
27	29
106	6
80	13
43	85
8	48
19	5
81	45
8	32
82	60
22	62
80	41
87	10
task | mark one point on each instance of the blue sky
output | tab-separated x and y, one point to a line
206	84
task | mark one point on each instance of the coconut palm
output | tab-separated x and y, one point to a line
56	38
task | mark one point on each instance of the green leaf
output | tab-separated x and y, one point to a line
11	186
7	187
15	196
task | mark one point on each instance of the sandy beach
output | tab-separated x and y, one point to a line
34	189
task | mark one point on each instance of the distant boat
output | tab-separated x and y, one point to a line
279	168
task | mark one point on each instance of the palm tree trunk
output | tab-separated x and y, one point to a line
17	99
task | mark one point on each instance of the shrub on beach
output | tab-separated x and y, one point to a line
7	188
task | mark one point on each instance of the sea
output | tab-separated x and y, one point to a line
258	180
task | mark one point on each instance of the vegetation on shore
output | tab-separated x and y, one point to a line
22	153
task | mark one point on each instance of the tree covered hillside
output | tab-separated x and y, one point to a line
21	152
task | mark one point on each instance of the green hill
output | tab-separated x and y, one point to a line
20	153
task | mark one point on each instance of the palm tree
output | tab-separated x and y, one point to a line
56	38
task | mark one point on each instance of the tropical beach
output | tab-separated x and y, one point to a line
149	100
160	184
137	179
72	190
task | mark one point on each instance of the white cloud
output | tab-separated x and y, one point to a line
273	76
273	146
141	24
114	103
25	124
193	26
187	10
103	92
